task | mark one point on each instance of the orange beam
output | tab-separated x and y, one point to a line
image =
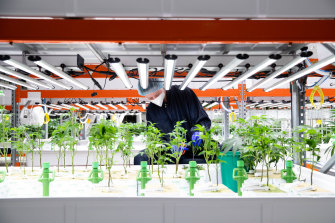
328	92
166	31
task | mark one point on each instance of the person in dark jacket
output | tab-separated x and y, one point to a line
168	107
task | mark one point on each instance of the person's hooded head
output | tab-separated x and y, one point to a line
155	92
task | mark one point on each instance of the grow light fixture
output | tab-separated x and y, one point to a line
29	70
212	104
169	66
8	86
225	70
143	70
58	106
81	106
93	106
252	104
120	71
113	106
123	106
144	106
303	72
69	106
194	71
102	106
23	77
204	104
50	106
288	66
15	81
37	60
271	59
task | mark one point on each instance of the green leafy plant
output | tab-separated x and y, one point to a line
126	144
104	136
4	134
58	138
311	138
35	134
211	150
178	141
151	141
19	134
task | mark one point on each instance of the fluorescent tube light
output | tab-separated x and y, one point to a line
194	71
15	81
143	70
113	106
120	71
49	106
144	106
37	60
169	66
81	106
58	106
271	59
11	87
204	104
69	106
93	106
252	104
213	104
122	106
288	66
23	77
29	70
303	72
102	106
225	70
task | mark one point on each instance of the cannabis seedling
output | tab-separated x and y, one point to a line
178	141
4	134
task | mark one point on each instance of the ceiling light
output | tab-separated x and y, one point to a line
113	106
194	71
58	106
144	106
288	66
11	87
120	71
16	81
225	70
37	60
213	104
49	106
252	104
122	106
143	70
81	106
303	72
204	104
102	106
271	59
93	106
69	106
23	77
169	66
29	70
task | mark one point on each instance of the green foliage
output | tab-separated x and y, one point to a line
178	140
4	134
211	150
126	143
58	138
19	134
34	140
311	138
52	126
103	135
330	137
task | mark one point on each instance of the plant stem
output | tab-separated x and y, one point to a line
32	161
88	154
209	175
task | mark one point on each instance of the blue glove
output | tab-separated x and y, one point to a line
196	140
174	149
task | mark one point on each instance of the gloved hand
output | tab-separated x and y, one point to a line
174	149
196	140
